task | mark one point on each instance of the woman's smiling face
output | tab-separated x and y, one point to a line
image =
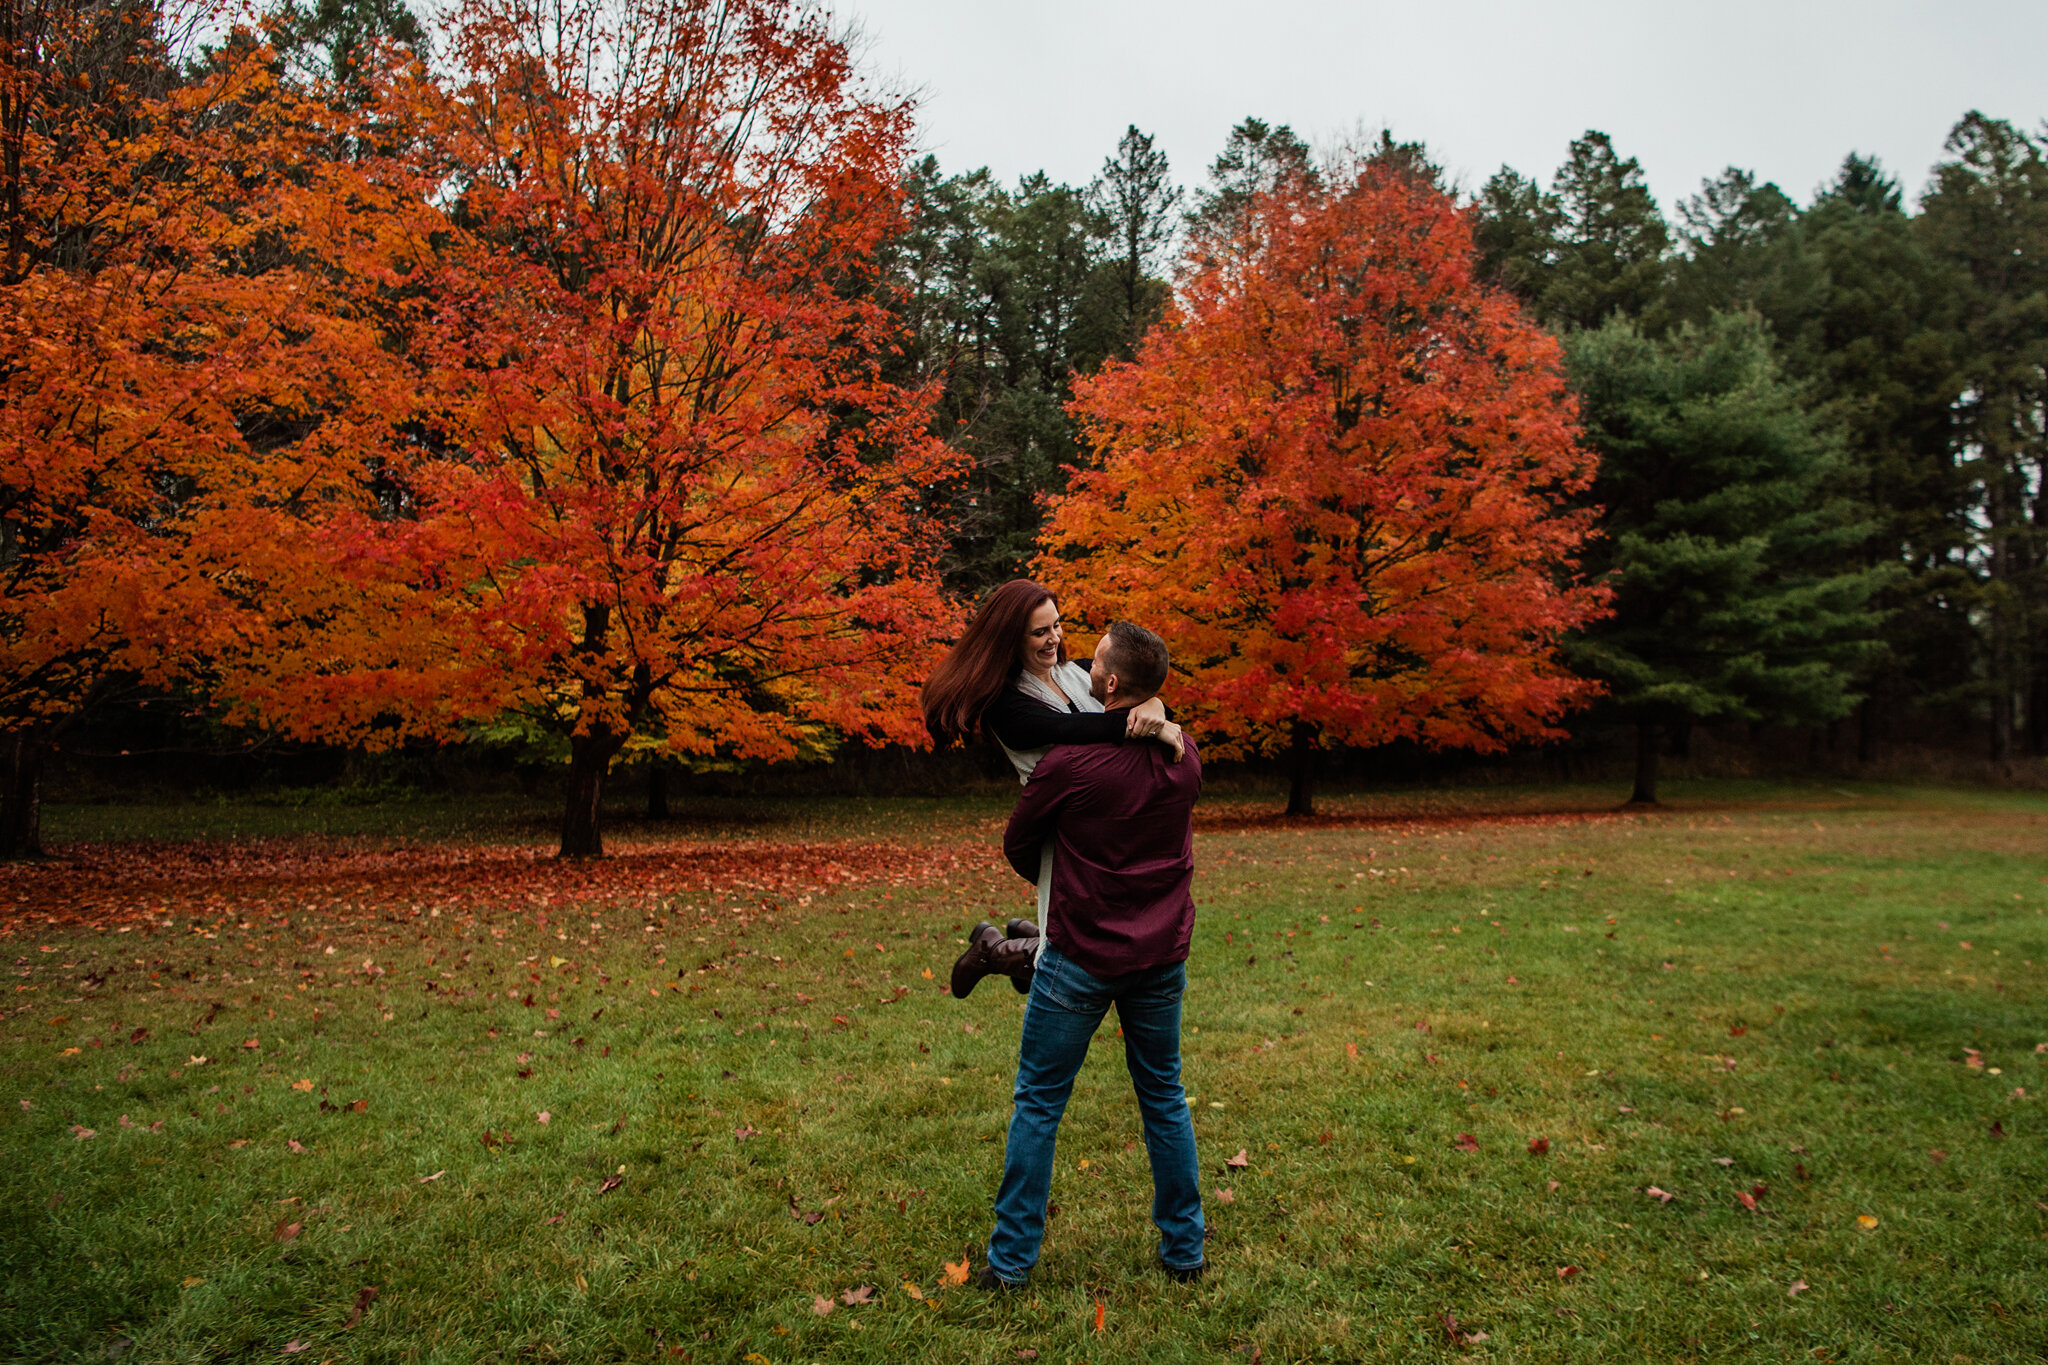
1042	635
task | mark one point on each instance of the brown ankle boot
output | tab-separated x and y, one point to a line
1016	958
976	962
1021	928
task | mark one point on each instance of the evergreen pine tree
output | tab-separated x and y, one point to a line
1730	600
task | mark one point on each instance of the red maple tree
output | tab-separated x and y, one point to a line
185	271
658	490
1336	479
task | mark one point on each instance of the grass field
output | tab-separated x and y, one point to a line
391	1085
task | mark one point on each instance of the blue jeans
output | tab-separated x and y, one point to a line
1066	1007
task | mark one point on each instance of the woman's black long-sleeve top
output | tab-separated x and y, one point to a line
1020	721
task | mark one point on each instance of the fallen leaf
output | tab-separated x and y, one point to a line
956	1272
611	1182
1724	1161
1566	1272
1465	1142
864	1294
1865	1221
364	1297
1746	1199
822	1305
1027	1354
26	1106
359	1107
1224	1195
1552	1186
542	1117
743	1133
435	1176
302	1084
294	1347
1737	1031
238	1142
1099	1315
1997	1129
1798	1287
1661	1196
913	1291
284	1232
554	1220
253	1043
1240	1161
293	1143
1539	1146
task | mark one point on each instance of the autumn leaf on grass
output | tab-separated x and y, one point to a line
822	1305
1661	1196
1567	1272
863	1294
1224	1195
912	1290
1240	1161
302	1084
955	1272
1100	1314
542	1116
284	1232
1746	1199
1798	1287
1465	1142
81	1132
1351	1050
809	1219
1539	1146
1938	1155
435	1176
744	1132
293	1143
611	1182
1865	1221
294	1347
1458	1336
364	1297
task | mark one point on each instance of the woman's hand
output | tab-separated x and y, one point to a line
1146	720
1170	735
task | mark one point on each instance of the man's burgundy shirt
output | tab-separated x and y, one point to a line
1121	818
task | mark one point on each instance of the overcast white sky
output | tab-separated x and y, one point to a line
1783	87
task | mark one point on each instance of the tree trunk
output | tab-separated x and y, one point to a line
1866	731
657	790
2001	724
2037	713
1645	793
590	758
21	796
1301	788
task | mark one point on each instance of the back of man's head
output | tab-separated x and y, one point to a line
1137	657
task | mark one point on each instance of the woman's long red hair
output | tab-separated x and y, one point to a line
981	665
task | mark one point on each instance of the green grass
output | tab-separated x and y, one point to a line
1808	918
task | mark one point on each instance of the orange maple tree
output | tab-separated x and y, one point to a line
1336	479
658	491
185	273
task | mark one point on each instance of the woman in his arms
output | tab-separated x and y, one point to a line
1009	676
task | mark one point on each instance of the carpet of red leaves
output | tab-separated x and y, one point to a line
116	884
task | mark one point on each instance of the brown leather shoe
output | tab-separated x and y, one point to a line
977	961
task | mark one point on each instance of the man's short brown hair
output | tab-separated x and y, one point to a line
1136	656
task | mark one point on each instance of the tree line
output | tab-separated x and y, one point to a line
609	375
